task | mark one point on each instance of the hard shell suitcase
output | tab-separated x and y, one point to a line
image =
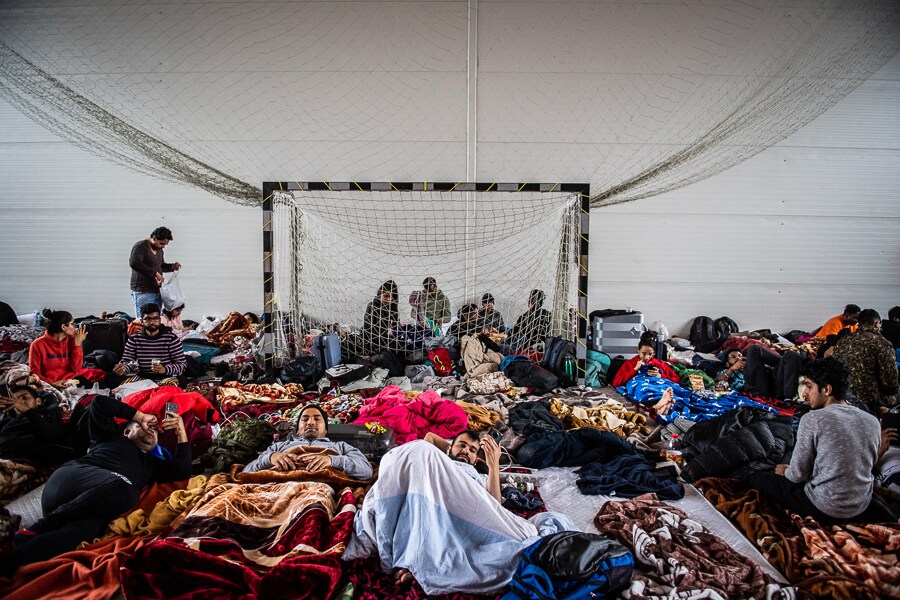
105	334
616	331
328	350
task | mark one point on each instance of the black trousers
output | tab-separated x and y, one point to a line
769	375
790	495
78	502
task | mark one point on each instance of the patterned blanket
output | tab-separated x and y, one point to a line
268	540
854	561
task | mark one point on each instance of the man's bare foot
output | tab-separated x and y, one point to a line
402	577
665	403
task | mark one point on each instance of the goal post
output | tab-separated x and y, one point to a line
330	249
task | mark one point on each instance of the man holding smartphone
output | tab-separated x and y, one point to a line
155	352
84	494
471	449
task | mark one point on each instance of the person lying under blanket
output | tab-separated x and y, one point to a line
312	430
431	516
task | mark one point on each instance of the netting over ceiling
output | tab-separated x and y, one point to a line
335	253
636	98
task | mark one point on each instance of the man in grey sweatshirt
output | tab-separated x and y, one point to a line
830	476
312	430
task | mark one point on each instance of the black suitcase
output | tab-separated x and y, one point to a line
105	334
373	446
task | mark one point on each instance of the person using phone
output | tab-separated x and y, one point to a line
733	372
312	430
470	449
644	363
84	494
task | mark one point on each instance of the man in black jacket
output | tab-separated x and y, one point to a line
83	495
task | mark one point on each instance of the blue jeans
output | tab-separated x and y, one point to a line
142	298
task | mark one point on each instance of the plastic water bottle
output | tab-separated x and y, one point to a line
662	333
672	451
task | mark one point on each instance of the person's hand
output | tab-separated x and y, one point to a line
158	368
314	462
491	452
176	266
888	436
20	405
159	278
65	383
640	363
174	421
80	335
282	461
653	372
780	469
148	423
119	369
828	353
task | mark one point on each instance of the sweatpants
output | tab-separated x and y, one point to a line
769	375
78	502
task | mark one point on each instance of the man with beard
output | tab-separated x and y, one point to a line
84	494
154	353
463	449
147	267
312	430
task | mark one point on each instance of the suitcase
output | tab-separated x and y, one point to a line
328	350
616	331
105	334
362	439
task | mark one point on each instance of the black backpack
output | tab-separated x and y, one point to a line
525	374
725	326
614	365
390	361
559	359
305	370
703	330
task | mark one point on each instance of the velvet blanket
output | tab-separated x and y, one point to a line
268	540
412	419
853	561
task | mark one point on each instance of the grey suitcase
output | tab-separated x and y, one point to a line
616	331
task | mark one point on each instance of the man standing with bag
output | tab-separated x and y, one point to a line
147	267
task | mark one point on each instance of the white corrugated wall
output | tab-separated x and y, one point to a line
783	240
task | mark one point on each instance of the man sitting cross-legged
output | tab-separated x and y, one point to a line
154	352
830	474
431	516
312	430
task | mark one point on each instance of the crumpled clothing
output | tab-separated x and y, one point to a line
678	557
571	448
343	408
232	326
611	416
488	383
412	419
529	418
233	395
627	476
139	522
17	478
477	358
480	418
449	384
24	334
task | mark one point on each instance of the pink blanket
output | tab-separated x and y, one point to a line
412	419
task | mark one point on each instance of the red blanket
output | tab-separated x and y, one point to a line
412	419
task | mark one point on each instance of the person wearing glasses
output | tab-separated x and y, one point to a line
84	494
57	357
154	352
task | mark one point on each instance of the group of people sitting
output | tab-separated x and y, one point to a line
430	310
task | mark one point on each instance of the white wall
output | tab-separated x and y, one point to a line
783	240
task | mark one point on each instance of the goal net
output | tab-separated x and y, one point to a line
363	263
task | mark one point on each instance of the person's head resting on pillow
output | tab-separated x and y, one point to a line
312	422
464	447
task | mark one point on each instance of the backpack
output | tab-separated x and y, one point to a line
240	441
703	330
441	362
725	326
559	359
598	363
511	358
525	374
572	565
614	365
390	361
305	370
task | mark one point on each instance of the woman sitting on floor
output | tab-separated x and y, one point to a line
645	364
57	357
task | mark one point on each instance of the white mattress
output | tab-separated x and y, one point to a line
560	494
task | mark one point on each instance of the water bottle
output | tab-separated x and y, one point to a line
672	451
662	333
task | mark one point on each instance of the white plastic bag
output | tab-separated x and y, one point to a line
171	294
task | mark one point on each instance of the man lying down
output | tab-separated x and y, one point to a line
432	516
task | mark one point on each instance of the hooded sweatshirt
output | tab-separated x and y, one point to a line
54	360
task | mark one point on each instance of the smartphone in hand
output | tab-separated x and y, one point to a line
171	407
